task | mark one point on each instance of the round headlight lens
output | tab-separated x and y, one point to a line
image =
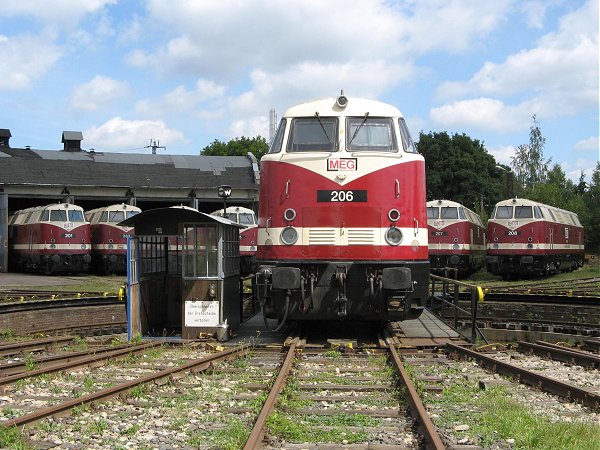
289	214
393	236
289	236
455	247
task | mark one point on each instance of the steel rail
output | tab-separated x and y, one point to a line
21	366
256	435
558	353
14	348
59	303
565	390
79	362
195	365
426	426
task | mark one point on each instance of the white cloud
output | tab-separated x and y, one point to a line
269	35
25	59
63	11
560	75
98	93
181	99
121	135
535	10
482	114
502	154
591	143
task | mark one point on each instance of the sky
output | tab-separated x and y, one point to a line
185	73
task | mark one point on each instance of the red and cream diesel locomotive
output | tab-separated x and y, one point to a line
248	235
342	228
456	237
527	238
49	239
109	240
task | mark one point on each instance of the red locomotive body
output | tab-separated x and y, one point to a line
49	239
342	225
529	238
456	237
248	235
109	241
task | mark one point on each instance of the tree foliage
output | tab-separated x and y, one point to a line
459	168
240	146
530	167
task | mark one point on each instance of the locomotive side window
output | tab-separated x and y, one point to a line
313	134
537	212
131	213
104	217
461	213
58	215
374	134
232	216
278	139
504	212
433	212
407	143
45	216
523	212
449	213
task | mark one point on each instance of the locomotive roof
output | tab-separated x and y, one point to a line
22	166
445	203
560	215
116	206
355	107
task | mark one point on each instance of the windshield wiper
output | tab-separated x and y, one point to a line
323	127
359	127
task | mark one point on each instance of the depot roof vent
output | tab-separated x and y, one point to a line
5	137
72	140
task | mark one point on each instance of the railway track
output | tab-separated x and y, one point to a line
301	395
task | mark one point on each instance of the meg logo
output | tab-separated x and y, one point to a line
342	164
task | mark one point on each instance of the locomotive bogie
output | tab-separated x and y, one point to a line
528	238
342	227
343	290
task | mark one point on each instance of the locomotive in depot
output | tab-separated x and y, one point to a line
342	226
109	240
456	238
528	238
49	239
248	234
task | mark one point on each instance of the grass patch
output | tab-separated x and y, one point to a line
493	416
296	429
231	437
13	438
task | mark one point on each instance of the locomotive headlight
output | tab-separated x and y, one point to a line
289	236
393	236
393	215
455	247
495	246
289	214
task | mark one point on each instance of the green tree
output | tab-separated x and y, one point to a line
459	168
529	166
240	146
591	220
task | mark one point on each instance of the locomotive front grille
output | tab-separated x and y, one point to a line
361	236
322	236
